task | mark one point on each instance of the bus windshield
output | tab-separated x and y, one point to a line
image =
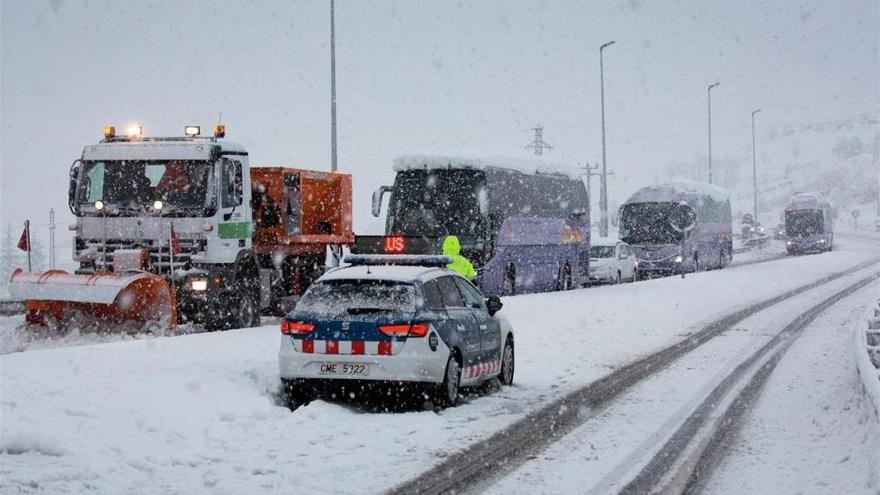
801	223
436	203
650	223
131	186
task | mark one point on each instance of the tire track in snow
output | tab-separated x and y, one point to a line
688	458
510	447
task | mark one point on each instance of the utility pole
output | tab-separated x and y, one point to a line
538	144
588	174
603	187
333	165
709	91
754	169
52	238
590	171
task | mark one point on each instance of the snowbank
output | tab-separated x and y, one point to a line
432	161
868	353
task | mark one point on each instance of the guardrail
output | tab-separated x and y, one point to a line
868	353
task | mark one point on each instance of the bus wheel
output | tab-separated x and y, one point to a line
510	280
566	277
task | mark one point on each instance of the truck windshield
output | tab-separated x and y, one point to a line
799	223
650	223
129	187
437	203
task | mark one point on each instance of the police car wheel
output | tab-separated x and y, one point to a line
296	393
507	363
447	392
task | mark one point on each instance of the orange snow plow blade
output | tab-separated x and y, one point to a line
108	299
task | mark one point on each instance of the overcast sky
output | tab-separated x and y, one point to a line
416	75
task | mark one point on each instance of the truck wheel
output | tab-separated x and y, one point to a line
566	277
247	313
507	363
239	310
447	392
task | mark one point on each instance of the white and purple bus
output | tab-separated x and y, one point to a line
523	224
808	224
678	227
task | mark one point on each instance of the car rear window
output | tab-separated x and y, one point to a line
357	298
602	251
433	297
451	295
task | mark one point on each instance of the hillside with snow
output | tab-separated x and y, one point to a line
838	158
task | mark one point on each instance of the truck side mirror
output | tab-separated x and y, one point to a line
71	190
377	200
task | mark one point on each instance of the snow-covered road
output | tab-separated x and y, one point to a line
615	443
197	413
813	431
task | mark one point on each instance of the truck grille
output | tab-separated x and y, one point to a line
160	257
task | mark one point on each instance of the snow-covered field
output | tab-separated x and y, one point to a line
197	413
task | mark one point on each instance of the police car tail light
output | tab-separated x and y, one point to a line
405	330
296	327
418	330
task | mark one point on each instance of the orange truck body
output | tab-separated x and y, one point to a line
299	211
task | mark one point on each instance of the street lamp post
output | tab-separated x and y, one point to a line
603	190
333	86
754	170
709	91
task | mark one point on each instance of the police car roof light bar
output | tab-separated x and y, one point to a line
397	259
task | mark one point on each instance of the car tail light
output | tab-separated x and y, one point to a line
405	330
296	327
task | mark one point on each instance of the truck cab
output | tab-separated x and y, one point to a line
179	207
183	229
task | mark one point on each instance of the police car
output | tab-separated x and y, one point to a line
394	318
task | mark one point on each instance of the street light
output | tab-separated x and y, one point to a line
709	91
603	190
332	86
754	169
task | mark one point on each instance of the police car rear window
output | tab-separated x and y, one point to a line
433	297
451	295
357	298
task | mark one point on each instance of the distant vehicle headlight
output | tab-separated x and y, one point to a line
822	241
679	258
788	243
200	285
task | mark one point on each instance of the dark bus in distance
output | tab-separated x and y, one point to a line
678	227
525	228
808	224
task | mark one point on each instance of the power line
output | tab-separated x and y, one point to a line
538	144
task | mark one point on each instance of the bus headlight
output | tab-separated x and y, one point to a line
679	258
199	285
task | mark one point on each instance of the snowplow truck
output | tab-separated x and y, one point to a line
183	229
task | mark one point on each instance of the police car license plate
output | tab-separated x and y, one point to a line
344	369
